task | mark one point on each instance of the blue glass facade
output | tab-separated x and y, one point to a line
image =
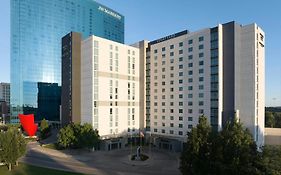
36	31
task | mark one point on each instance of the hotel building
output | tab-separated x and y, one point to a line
217	72
105	78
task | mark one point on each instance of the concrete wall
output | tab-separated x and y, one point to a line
272	136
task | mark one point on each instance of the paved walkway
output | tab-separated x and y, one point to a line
103	162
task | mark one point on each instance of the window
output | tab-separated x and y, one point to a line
163	49
180	58
201	78
189	126
172	82
172	89
190	88
163	69
155	51
180	125
190	64
180	66
163	117
201	95
190	95
201	46
180	132
180	81
180	51
155	130
180	103
171	110
190	57
201	111
201	71
201	87
180	95
171	75
171	117
171	124
190	49
201	103
201	63
163	55
201	55
201	38
190	111
171	60
171	103
180	111
180	44
180	118
163	124
190	80
190	119
190	72
190	103
163	131
171	54
163	62
163	82
171	46
180	88
180	73
190	41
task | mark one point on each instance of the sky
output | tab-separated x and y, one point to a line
152	19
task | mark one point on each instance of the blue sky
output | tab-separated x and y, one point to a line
151	19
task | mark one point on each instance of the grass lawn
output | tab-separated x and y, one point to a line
24	169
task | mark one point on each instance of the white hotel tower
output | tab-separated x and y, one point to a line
218	72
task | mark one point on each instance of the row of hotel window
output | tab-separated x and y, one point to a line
171	131
201	46
190	80
116	49
190	111
190	49
180	73
190	57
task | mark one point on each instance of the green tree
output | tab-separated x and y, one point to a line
277	118
239	151
269	120
78	136
230	151
195	157
271	159
44	129
66	136
12	146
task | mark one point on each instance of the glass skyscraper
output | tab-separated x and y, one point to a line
36	31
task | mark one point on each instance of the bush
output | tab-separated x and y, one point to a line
78	136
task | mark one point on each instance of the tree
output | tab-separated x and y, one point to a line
269	120
12	146
230	151
44	129
78	136
271	158
195	157
277	118
239	150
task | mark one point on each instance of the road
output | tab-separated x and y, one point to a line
103	162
